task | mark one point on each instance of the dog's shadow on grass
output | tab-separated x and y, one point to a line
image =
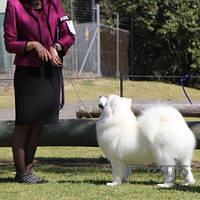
178	187
103	182
193	189
89	181
92	182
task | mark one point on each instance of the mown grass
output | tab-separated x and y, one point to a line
138	90
81	173
91	89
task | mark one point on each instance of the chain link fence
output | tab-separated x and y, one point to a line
95	52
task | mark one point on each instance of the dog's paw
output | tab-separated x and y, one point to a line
113	184
166	185
188	183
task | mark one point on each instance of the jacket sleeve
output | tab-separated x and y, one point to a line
66	38
12	43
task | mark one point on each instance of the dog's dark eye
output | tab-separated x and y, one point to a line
100	106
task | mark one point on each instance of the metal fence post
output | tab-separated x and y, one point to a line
98	41
121	85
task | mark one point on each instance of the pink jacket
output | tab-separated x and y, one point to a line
21	24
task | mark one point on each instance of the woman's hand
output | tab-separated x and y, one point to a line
42	52
55	60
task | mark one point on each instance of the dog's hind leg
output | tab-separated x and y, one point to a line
188	176
186	172
168	167
119	170
169	174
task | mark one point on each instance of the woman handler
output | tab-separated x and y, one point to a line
30	32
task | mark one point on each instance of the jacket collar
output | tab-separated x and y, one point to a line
31	10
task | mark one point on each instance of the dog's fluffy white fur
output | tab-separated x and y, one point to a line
160	135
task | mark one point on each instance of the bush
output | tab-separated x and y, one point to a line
165	36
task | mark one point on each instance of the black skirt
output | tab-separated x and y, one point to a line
37	94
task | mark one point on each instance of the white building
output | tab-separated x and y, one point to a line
3	6
5	58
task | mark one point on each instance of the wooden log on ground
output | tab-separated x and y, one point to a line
186	110
71	132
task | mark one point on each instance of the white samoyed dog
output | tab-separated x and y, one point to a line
159	135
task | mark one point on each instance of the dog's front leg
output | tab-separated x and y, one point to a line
128	172
118	171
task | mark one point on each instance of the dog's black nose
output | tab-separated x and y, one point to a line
100	106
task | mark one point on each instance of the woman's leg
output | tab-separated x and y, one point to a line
25	140
31	146
19	139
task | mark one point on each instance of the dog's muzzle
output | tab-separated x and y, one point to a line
100	106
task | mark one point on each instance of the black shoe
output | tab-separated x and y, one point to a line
29	179
40	180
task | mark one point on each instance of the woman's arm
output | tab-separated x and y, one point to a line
13	45
66	39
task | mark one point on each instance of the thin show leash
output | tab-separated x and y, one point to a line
81	101
79	97
62	100
182	80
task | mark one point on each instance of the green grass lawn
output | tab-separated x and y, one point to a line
81	173
138	90
91	89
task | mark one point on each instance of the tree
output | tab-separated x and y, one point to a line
66	5
166	34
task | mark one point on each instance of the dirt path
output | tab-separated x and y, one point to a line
69	109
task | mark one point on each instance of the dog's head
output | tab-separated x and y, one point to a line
114	102
102	101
